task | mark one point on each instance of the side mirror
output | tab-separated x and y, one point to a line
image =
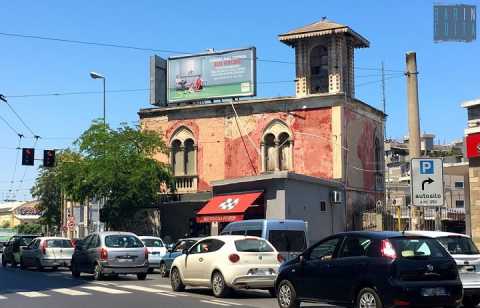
185	251
301	259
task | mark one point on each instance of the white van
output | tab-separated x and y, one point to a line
288	236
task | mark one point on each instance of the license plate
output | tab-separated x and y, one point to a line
467	269
260	272
122	260
434	292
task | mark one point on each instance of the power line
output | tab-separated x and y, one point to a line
169	51
10	126
18	116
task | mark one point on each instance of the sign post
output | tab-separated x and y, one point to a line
427	182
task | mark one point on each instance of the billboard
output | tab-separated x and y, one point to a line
223	74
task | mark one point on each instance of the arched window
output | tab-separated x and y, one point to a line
319	69
284	152
183	153
177	158
270	159
277	147
190	157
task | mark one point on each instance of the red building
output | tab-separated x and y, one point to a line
323	141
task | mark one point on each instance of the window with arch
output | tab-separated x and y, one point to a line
319	69
277	147
183	153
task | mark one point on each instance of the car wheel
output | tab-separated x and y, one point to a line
163	270
176	281
142	276
470	301
75	271
286	295
368	298
97	272
219	287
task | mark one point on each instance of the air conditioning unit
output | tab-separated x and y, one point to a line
336	196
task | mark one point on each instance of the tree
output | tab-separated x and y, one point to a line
29	228
116	166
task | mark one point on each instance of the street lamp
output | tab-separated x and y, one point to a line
94	75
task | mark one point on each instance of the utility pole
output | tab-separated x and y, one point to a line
413	120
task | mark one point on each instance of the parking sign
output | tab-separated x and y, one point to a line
427	181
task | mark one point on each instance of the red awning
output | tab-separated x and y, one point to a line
227	208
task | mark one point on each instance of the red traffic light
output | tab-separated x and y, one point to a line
49	158
28	156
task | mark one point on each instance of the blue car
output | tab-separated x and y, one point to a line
177	250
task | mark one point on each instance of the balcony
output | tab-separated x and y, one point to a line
186	184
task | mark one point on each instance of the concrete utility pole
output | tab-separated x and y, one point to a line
413	113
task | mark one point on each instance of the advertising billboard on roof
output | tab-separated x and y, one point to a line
215	75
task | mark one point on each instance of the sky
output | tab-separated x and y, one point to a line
448	72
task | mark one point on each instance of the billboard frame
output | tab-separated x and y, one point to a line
253	61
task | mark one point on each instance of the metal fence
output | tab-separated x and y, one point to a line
398	218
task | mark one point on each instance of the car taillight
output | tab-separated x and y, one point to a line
44	247
146	253
387	250
234	258
280	258
103	254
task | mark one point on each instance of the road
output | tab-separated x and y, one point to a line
57	289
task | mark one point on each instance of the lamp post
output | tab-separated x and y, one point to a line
94	75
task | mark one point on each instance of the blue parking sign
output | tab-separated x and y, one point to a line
426	166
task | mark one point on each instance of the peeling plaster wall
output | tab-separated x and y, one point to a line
222	152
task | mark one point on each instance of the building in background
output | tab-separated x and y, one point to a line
397	212
14	213
323	143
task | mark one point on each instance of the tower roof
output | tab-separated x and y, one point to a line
322	28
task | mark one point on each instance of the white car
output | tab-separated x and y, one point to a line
467	257
156	250
226	262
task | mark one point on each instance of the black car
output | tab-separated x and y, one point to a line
11	250
371	269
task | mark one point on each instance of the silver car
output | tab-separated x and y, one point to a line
44	252
467	257
110	253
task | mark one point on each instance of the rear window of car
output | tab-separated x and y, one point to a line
458	245
253	245
418	248
59	244
287	240
122	241
25	241
150	242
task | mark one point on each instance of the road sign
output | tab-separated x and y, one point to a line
427	181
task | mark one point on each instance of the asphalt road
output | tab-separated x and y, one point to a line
57	289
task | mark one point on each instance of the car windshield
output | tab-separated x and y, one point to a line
59	243
151	242
287	240
458	245
122	241
25	241
253	245
407	247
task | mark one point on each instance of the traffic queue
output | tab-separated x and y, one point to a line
360	269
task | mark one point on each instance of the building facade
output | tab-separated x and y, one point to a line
323	133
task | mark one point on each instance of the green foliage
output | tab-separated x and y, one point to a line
113	165
29	228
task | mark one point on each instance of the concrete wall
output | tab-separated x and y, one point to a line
303	202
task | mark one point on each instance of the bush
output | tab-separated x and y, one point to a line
29	228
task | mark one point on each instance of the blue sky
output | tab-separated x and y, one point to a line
449	72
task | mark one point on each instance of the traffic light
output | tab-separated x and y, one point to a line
49	158
28	156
